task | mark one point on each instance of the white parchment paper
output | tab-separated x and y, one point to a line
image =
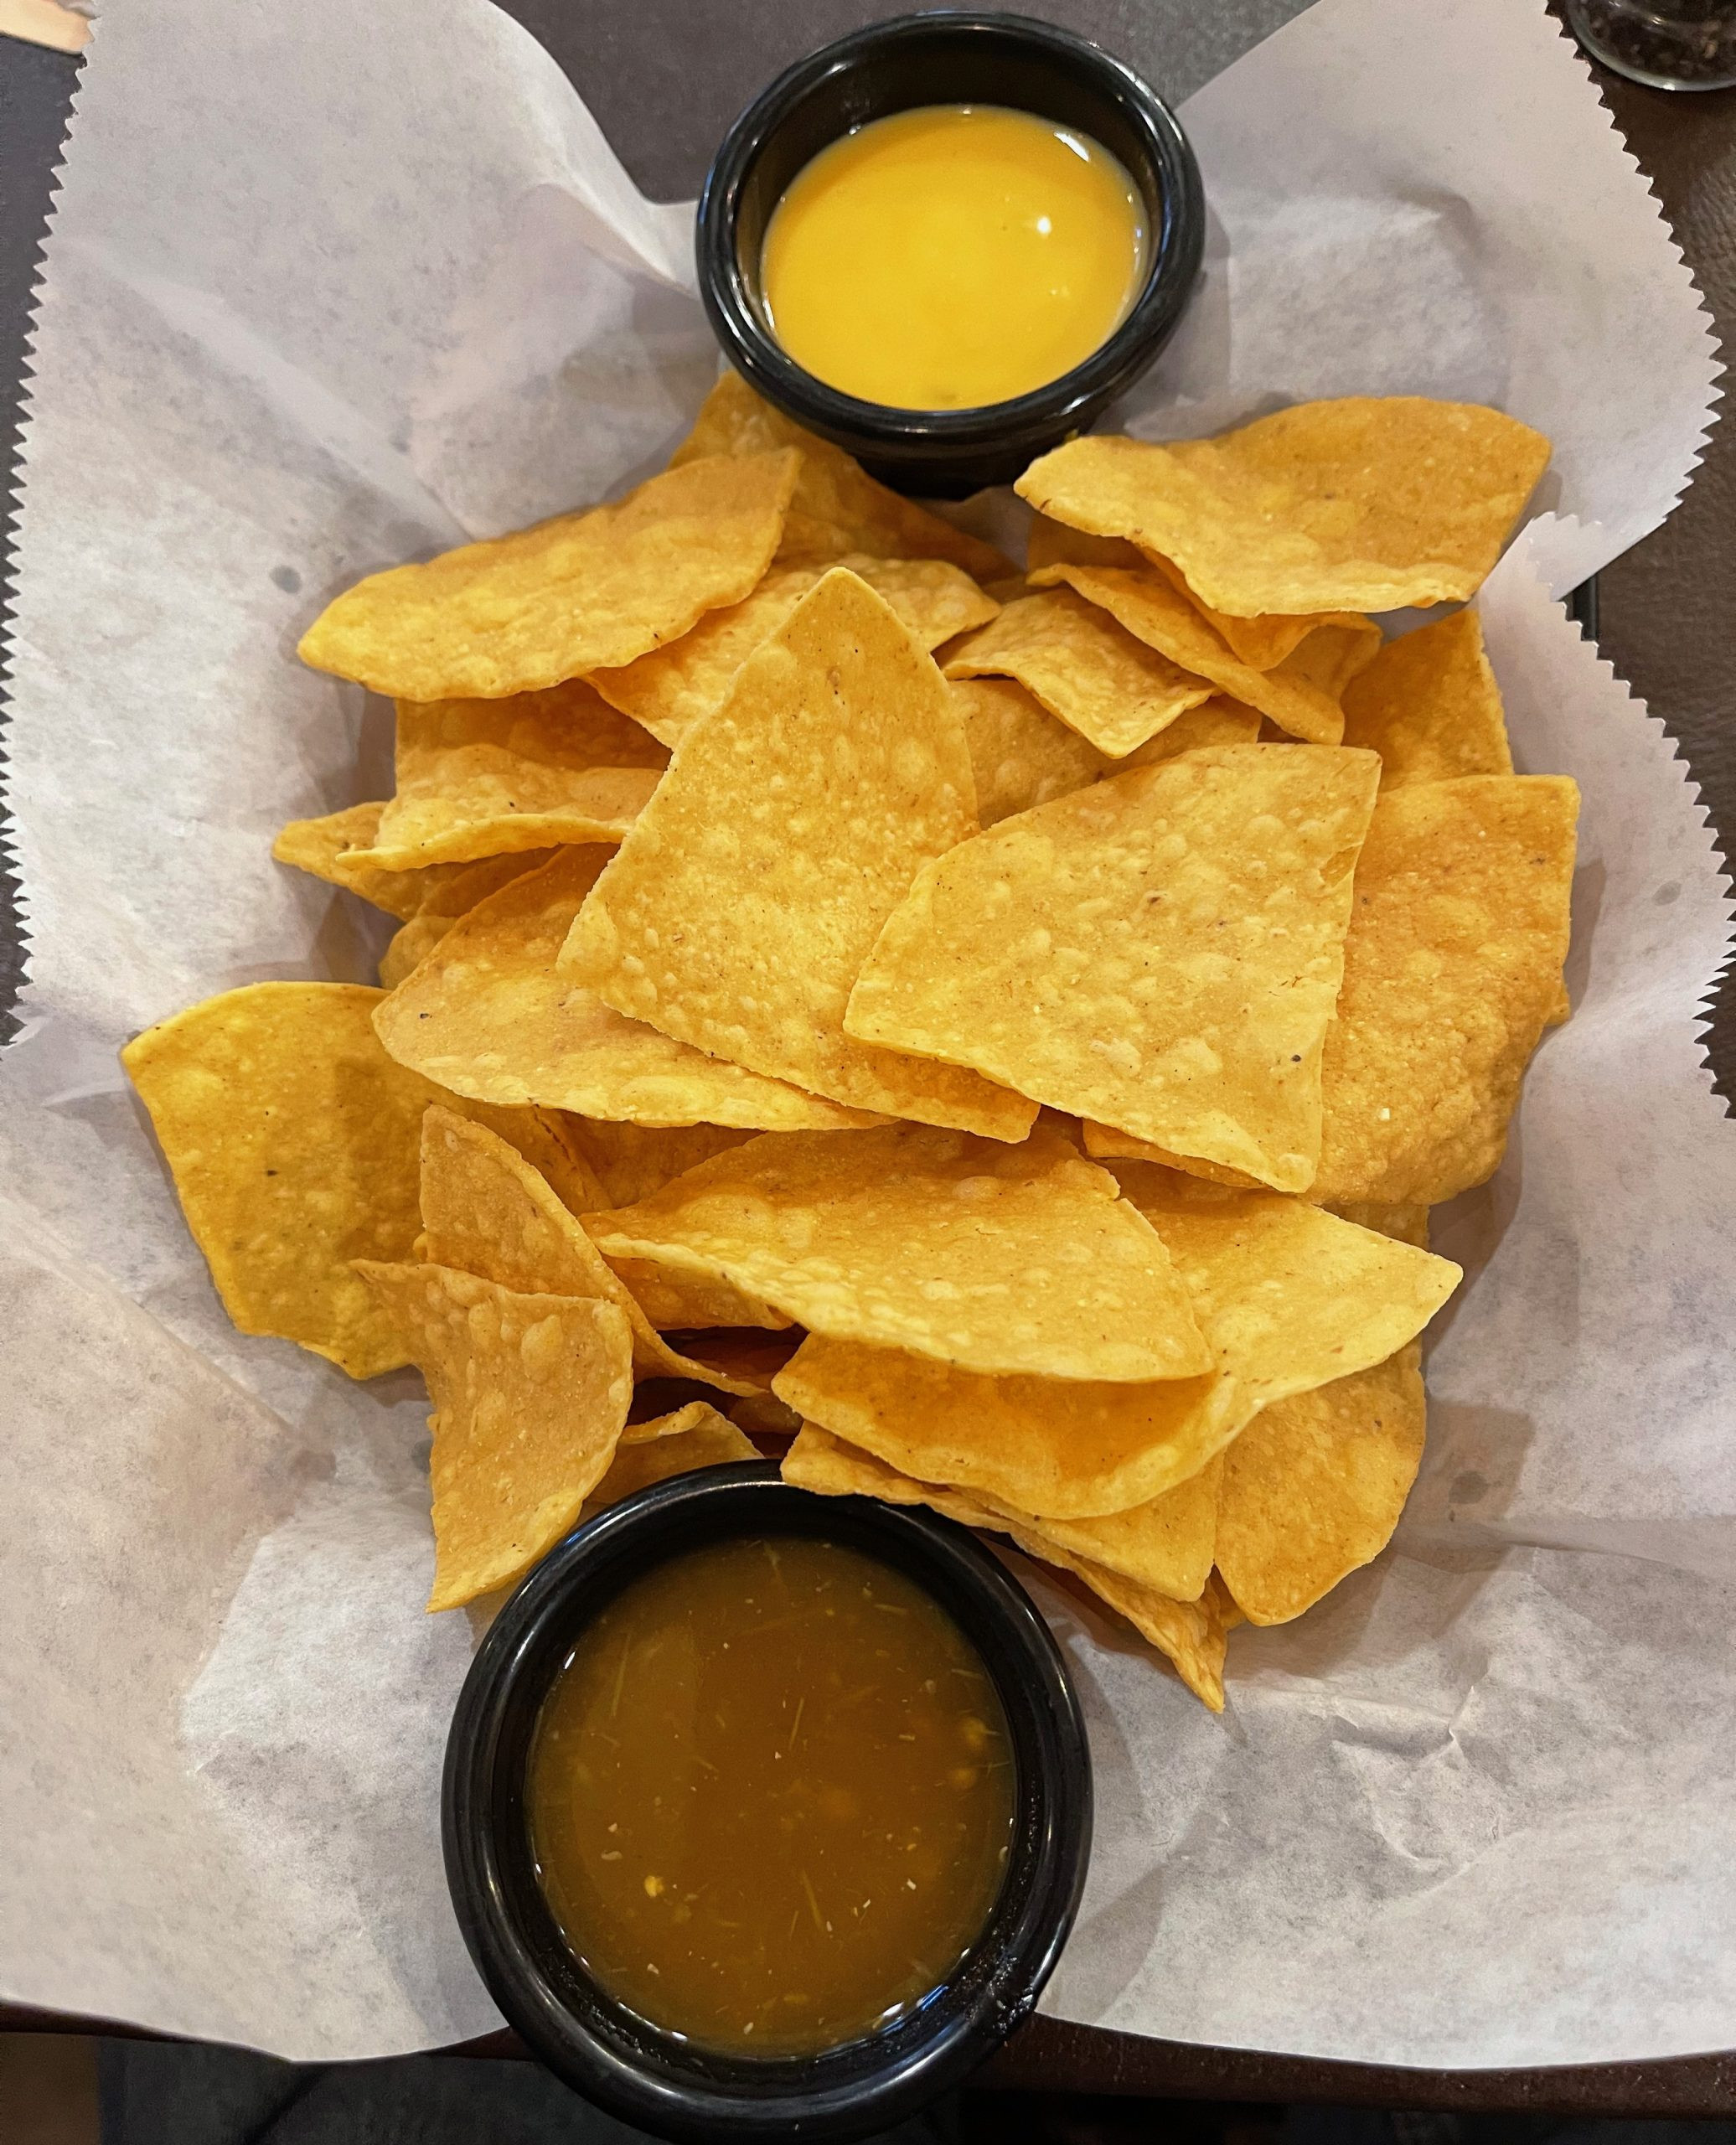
329	287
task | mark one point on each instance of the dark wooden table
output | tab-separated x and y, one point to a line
664	77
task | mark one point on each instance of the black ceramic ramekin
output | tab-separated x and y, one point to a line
948	59
596	2044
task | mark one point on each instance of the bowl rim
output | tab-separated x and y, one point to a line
1177	246
611	2056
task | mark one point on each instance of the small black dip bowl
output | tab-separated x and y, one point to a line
948	59
607	2052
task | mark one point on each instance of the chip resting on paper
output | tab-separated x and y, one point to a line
993	1259
1084	669
293	1139
1366	503
477	778
1189	1633
837	507
517	613
529	1396
487	1014
486	1211
669	690
1160	952
1299	694
736	915
1290	1296
1429	706
1313	1488
1452	969
1061	1447
1021	756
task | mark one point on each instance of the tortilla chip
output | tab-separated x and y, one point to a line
480	778
1452	968
694	1436
1053	544
327	849
1189	1633
669	690
681	1302
518	614
292	1138
995	1259
410	946
486	1211
1367	504
1153	613
631	1161
1057	1447
487	1016
789	826
1429	706
837	507
1408	1223
1290	1296
1103	1143
1021	756
529	1392
1166	1544
1313	1488
1084	667
749	1357
1160	952
1347	643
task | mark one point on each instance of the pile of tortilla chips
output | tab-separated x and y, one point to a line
993	1038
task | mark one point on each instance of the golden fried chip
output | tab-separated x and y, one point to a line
1313	1488
1021	756
477	778
327	849
1053	544
631	1161
1168	623
524	612
994	1258
1290	1296
694	1436
1452	968
691	1415
1430	707
765	1420
1166	1543
680	1302
1096	678
1103	1143
410	946
1348	642
486	1211
1408	1223
528	1393
1161	952
1367	504
749	1357
292	1138
789	826
837	507
669	690
1189	1633
1057	1447
487	1016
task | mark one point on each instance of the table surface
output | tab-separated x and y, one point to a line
665	78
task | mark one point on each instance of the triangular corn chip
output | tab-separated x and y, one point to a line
669	690
487	1016
528	1393
329	847
481	778
1168	624
486	1211
995	1259
631	1161
1366	503
1313	1487
1112	689
1290	1296
837	507
1452	969
736	915
1429	706
694	1436
1160	952
521	612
